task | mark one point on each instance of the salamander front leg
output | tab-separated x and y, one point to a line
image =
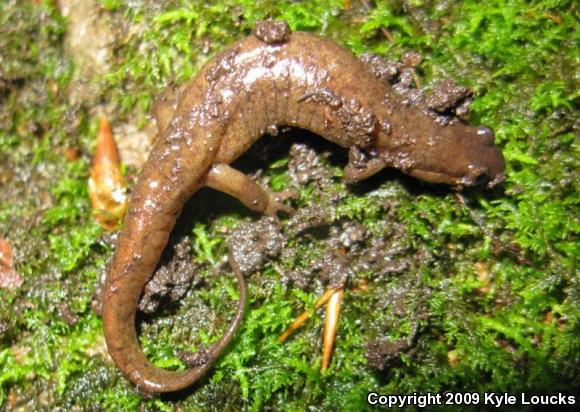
233	182
361	166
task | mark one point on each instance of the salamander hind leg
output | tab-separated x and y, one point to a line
233	182
275	203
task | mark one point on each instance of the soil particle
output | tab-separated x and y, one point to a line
382	256
335	270
270	31
383	355
445	103
254	242
353	232
172	279
358	122
405	80
412	59
392	267
357	158
97	298
301	277
380	67
193	360
223	67
305	165
448	97
316	216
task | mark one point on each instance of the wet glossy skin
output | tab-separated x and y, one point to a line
273	78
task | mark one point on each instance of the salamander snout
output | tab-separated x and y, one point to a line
460	155
493	172
479	176
483	176
487	165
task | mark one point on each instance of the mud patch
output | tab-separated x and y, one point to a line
271	32
173	278
251	244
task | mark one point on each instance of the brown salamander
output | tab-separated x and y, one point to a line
273	78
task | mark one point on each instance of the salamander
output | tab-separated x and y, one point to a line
274	78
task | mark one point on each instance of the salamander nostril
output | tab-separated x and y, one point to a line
481	178
486	133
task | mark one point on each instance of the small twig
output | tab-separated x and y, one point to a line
330	326
416	79
554	17
305	315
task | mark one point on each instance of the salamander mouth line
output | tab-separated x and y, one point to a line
435	177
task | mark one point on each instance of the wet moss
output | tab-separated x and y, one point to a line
491	287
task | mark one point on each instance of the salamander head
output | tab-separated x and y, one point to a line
459	155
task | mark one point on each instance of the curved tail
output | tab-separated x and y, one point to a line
123	344
156	202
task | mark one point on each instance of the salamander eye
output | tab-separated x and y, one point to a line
486	134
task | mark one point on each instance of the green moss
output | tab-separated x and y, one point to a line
514	329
